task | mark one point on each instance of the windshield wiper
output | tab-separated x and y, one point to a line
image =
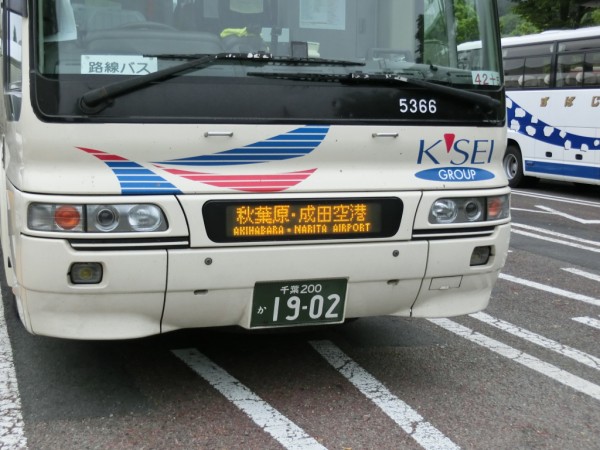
268	57
451	91
365	78
95	100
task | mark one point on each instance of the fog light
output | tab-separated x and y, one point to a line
481	256
85	273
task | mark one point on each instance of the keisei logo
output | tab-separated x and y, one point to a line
455	160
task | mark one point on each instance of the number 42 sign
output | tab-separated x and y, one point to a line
485	78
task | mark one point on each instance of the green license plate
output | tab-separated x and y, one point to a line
298	302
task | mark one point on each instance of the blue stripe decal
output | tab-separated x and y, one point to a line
240	159
115	164
137	180
151	186
133	171
311	129
144	178
525	123
569	170
293	144
266	151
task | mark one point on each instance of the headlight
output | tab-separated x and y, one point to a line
103	218
115	218
444	211
145	218
469	210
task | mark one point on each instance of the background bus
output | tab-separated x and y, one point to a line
553	104
253	163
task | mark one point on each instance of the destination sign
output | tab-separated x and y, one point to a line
302	219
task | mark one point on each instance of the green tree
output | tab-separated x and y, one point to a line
514	25
555	14
466	18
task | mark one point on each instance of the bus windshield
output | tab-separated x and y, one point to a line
220	47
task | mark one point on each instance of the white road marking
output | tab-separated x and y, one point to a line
590	321
555	234
408	419
556	198
551	289
533	363
515	229
12	433
284	431
565	350
556	241
534	211
582	273
568	216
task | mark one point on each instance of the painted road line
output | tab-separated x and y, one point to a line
284	431
12	433
551	289
590	321
593	246
569	352
581	273
533	363
555	241
555	234
408	419
534	211
568	216
572	201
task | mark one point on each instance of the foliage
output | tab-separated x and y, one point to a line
466	18
514	25
556	14
591	18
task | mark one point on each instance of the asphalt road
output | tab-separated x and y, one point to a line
524	374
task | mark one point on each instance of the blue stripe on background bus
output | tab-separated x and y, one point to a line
522	121
455	174
568	170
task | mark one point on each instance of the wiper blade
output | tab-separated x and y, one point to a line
360	78
96	99
473	97
271	59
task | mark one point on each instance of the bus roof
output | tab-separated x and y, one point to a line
539	38
551	36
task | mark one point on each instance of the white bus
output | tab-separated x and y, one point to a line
553	100
254	163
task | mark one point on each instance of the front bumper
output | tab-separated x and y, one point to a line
146	292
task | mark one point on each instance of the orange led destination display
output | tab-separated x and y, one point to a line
305	219
302	219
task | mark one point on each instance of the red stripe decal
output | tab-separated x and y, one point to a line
247	183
